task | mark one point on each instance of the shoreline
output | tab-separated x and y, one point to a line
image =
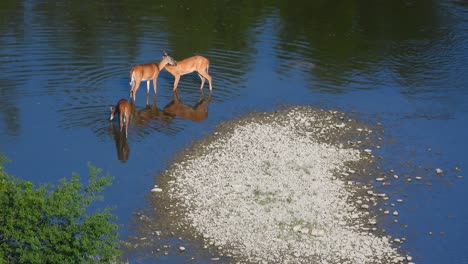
286	186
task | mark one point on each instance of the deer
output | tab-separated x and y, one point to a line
147	72
196	63
123	108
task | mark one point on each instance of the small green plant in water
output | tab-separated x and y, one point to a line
50	224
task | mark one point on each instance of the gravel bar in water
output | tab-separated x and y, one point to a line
276	188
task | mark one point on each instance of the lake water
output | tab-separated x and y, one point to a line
399	63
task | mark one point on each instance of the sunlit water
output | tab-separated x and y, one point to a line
401	64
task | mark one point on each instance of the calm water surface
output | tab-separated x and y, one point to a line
400	63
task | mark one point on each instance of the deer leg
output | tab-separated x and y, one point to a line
207	76
176	82
155	88
202	81
132	83
121	122
209	81
147	86
202	84
134	89
147	100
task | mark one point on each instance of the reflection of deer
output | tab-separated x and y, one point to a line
147	72
123	151
197	63
196	113
145	115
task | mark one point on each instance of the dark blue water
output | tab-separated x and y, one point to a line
401	64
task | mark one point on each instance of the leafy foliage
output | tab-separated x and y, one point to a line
50	224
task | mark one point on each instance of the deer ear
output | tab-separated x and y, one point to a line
165	53
112	109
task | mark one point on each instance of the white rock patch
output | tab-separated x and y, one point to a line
267	193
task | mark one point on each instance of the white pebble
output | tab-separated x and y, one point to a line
395	213
317	232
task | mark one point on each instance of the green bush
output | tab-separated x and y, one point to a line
50	224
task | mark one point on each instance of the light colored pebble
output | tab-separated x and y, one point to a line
157	189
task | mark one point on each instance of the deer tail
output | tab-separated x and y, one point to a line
132	78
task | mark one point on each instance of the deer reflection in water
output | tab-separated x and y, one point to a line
196	113
151	115
123	151
123	109
144	116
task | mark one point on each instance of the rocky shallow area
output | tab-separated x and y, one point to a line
282	187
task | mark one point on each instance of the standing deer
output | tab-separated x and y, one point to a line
197	63
122	108
147	72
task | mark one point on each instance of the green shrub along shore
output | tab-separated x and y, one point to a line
51	224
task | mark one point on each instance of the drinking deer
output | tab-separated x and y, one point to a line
147	72
197	63
122	108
